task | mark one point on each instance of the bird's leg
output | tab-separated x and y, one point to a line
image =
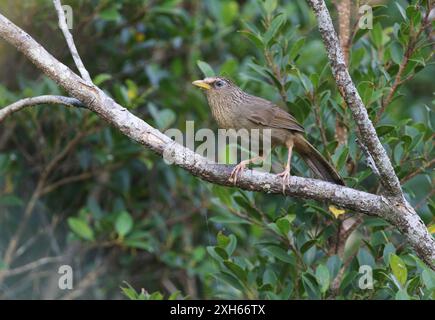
241	166
286	173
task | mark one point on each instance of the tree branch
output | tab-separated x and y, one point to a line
398	213
418	170
70	41
29	102
29	267
367	133
344	8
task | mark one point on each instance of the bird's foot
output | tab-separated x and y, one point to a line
236	171
285	175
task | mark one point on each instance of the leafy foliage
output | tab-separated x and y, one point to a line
159	228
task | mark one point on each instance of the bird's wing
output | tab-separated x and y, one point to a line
272	116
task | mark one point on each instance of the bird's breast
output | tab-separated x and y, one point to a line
224	120
224	114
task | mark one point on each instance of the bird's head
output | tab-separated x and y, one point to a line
217	86
221	93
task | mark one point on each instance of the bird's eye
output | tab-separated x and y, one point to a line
219	84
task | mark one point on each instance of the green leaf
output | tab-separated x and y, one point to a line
365	258
259	69
10	200
276	24
222	240
163	118
216	254
284	223
123	223
229	68
110	14
413	14
314	78
388	251
102	77
280	254
396	52
310	286
428	277
385	129
296	48
270	277
81	228
131	293
274	227
223	194
230	279
205	68
357	56
155	296
323	278
377	35
253	38
228	219
307	245
166	118
229	11
402	295
221	252
245	203
342	155
139	244
399	269
270	6
236	270
174	295
306	83
231	245
334	264
401	10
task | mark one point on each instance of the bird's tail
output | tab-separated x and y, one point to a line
316	162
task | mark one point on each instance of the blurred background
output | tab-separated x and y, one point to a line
74	191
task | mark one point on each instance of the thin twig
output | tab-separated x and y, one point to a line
89	280
424	200
13	243
417	171
70	41
29	267
30	102
79	177
344	31
369	160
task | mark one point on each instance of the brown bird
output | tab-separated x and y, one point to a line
233	108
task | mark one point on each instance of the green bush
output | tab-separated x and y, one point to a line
153	231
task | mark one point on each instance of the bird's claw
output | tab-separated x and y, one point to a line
236	171
285	178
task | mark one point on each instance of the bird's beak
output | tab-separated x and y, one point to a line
201	84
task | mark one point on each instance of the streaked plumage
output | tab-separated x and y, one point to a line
233	108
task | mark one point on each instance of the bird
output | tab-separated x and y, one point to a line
233	108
